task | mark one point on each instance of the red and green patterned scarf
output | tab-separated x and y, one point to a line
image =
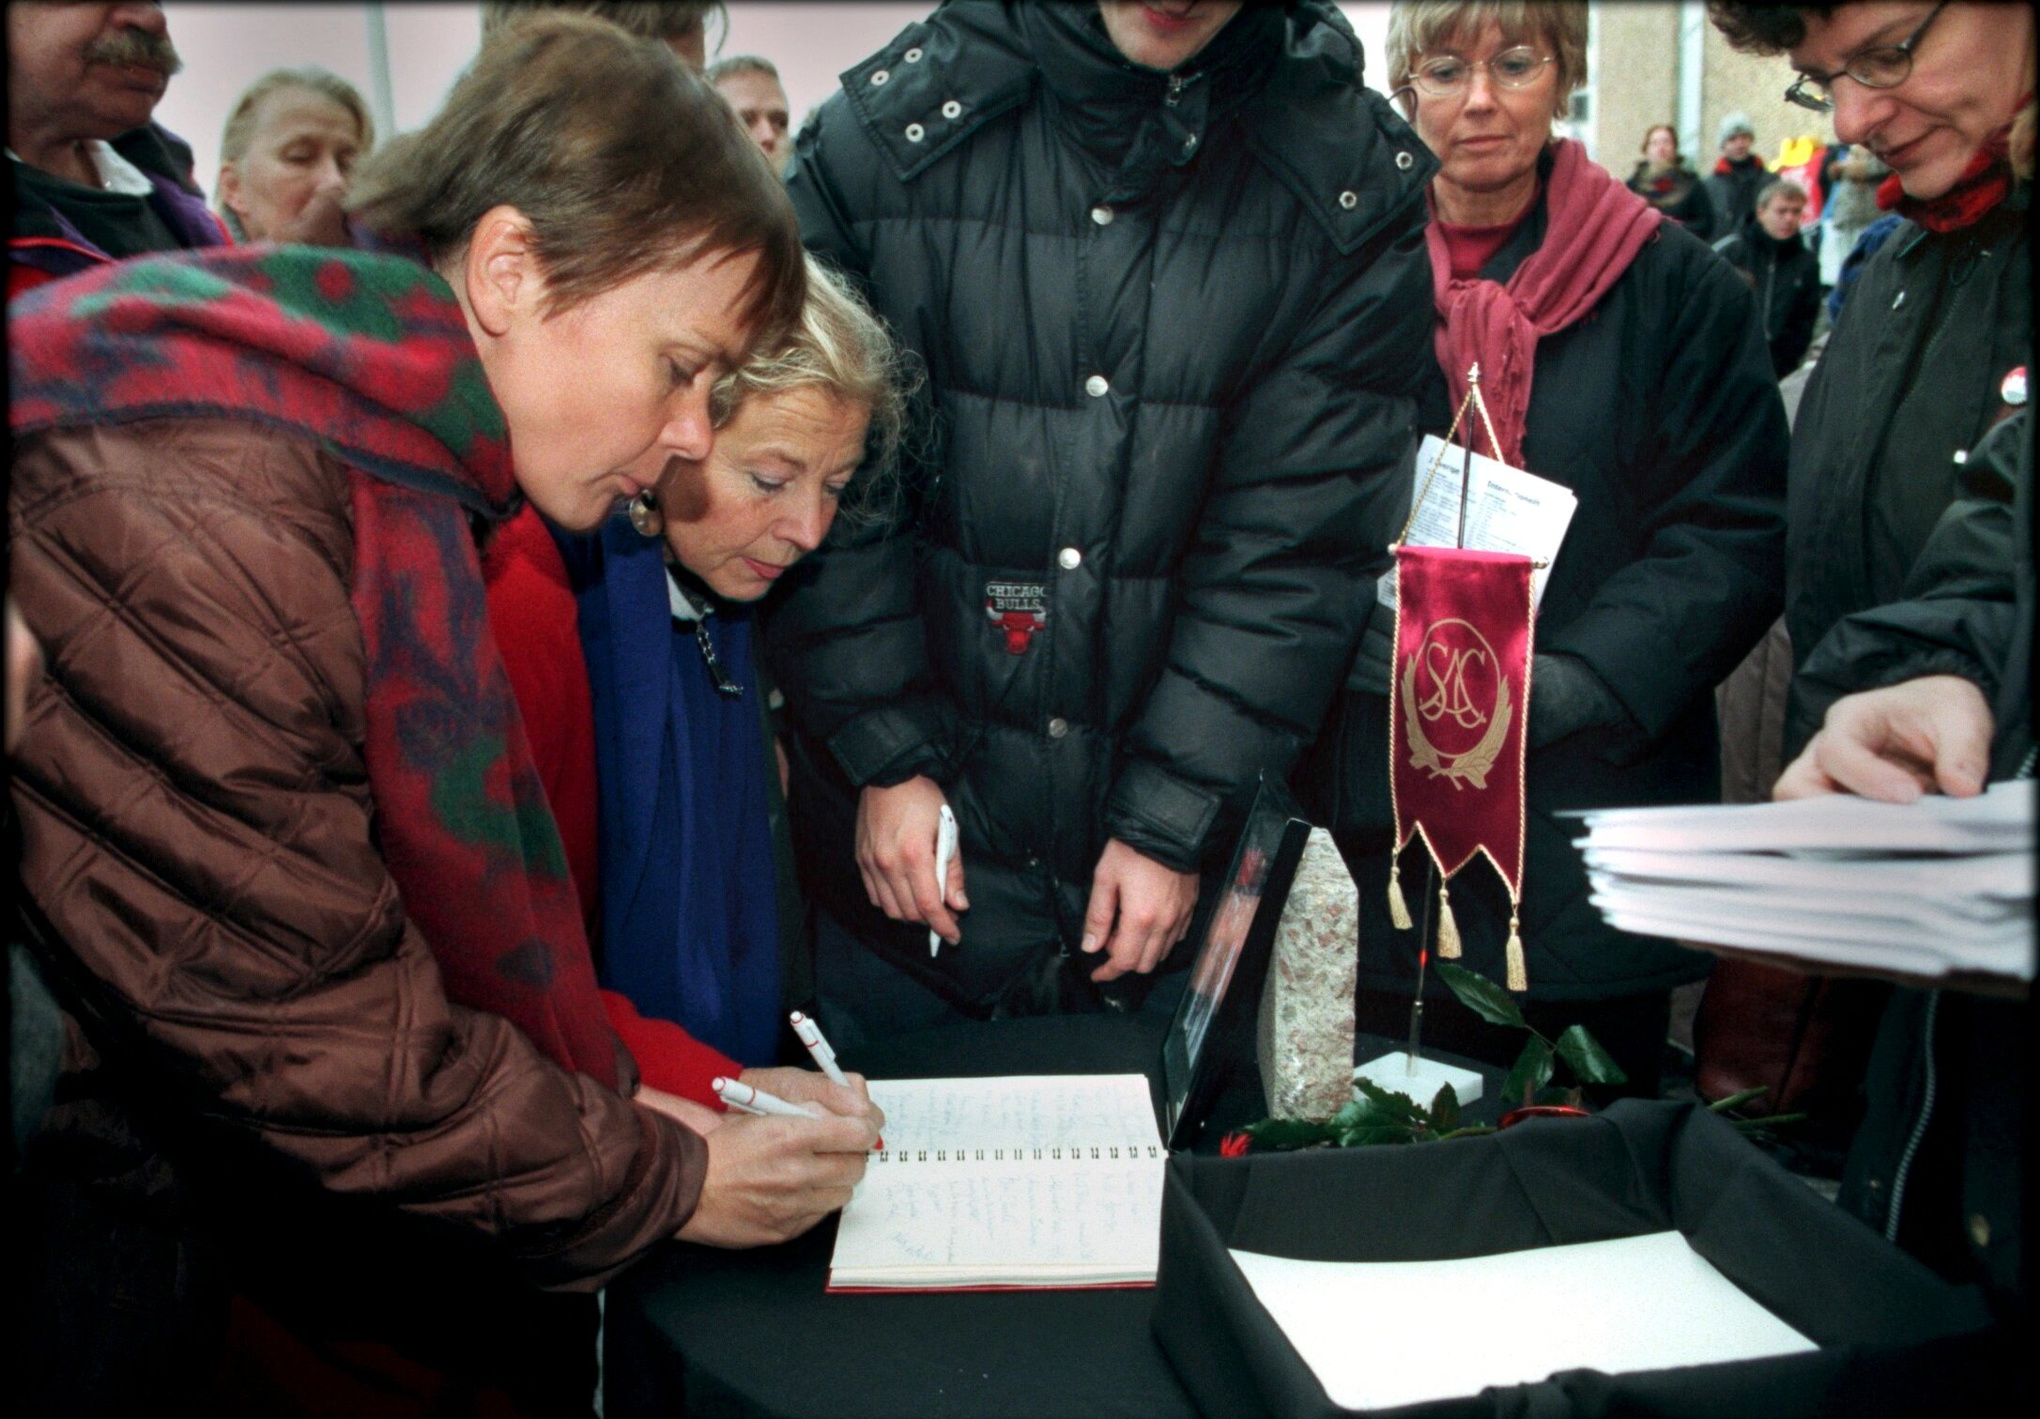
370	356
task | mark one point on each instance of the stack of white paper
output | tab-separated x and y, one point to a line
1928	888
1471	500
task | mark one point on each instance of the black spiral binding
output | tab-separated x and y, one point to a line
1098	1152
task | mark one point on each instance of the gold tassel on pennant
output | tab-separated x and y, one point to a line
1519	973
1398	909
1448	929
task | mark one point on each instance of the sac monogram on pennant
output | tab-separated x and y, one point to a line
1457	704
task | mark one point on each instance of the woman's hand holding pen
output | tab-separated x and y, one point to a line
771	1178
805	1086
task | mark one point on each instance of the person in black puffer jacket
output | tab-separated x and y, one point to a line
1783	270
1173	299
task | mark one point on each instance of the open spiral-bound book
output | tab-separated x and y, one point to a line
1030	1180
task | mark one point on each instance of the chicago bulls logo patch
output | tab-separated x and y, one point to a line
1018	609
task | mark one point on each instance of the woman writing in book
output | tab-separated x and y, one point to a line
306	901
1623	359
657	696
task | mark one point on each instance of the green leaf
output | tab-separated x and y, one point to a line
1349	1114
1553	1094
1287	1133
1590	1063
1472	1130
1736	1101
1445	1109
1530	1072
1375	1133
1481	995
1387	1101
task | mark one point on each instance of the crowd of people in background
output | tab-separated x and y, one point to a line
498	613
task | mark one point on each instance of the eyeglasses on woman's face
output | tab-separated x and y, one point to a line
1447	76
1882	66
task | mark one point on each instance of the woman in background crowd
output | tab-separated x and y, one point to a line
347	1054
286	155
685	908
1623	359
1667	181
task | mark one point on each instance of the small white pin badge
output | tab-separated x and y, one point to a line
2013	389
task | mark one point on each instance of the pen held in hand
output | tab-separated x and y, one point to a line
945	850
740	1095
817	1044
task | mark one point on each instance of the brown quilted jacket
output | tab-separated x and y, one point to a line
197	825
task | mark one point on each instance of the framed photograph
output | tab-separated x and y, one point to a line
1212	1031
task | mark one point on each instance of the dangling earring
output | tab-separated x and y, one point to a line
644	514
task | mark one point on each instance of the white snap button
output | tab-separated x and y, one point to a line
1190	143
1349	200
951	109
913	56
1058	727
1097	387
1102	215
879	76
1069	559
1404	161
915	132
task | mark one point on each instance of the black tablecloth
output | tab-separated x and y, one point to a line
697	1331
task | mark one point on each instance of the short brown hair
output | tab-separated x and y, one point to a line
1655	129
1762	29
1415	26
676	19
622	160
741	64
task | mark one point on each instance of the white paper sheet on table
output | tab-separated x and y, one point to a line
1379	1334
1507	510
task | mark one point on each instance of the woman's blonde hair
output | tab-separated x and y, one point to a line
1417	26
240	129
839	347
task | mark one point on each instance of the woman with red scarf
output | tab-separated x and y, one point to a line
341	1048
1622	358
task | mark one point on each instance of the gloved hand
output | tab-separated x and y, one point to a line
1566	697
1372	662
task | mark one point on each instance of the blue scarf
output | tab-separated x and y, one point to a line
690	922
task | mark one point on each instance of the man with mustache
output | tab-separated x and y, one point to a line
94	179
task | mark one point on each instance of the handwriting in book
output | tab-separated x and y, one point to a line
1021	1114
978	1218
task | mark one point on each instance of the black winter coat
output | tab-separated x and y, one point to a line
1732	188
1173	326
1913	375
1969	611
1659	410
1679	193
1786	275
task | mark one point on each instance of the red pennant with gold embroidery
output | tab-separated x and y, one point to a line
1458	714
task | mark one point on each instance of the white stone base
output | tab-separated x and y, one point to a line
1393	1072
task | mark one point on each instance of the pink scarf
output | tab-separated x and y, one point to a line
1594	228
